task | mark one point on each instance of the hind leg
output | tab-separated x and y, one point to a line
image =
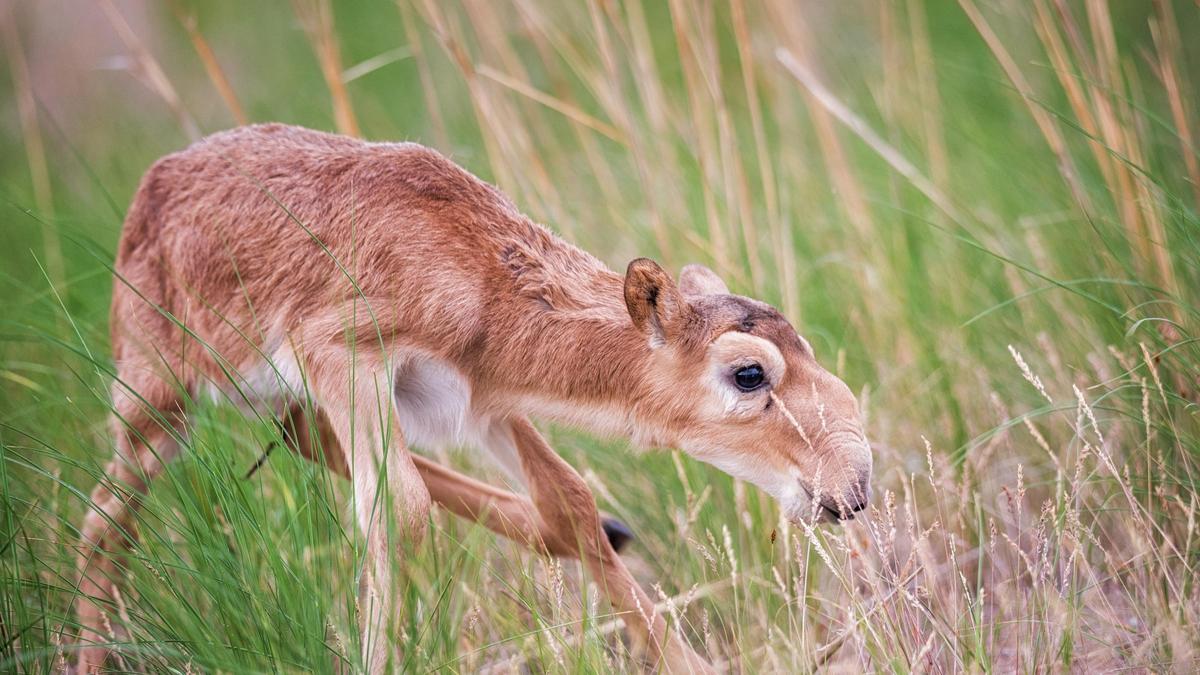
146	422
354	391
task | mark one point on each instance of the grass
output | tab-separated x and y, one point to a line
983	216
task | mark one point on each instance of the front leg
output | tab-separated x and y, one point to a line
567	508
390	499
306	431
505	513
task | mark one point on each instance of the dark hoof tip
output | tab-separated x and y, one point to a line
618	533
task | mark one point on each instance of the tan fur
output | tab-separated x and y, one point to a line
408	301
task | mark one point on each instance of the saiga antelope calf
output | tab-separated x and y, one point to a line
375	296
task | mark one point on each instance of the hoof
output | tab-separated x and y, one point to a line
618	533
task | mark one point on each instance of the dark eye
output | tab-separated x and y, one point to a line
749	378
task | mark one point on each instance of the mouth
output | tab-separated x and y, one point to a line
821	516
828	515
820	513
834	515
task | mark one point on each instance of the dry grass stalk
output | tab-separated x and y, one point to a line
615	202
1123	87
1169	47
491	113
688	45
316	16
374	63
1106	114
663	195
35	149
512	119
728	170
450	39
928	96
1044	121
562	107
860	128
766	170
432	102
1049	33
149	71
212	67
1103	80
850	192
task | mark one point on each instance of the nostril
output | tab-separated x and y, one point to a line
854	503
863	493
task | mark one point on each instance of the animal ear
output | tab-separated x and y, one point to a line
654	301
697	280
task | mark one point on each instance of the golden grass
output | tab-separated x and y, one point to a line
147	69
316	16
212	67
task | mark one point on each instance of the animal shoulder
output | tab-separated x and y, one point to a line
413	169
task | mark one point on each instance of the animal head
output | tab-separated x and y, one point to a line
733	384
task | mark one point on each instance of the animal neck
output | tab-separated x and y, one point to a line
586	367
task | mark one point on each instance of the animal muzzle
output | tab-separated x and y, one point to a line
842	499
847	505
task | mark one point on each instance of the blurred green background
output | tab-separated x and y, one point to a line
931	189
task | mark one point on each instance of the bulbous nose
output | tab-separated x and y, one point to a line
855	498
862	491
861	498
